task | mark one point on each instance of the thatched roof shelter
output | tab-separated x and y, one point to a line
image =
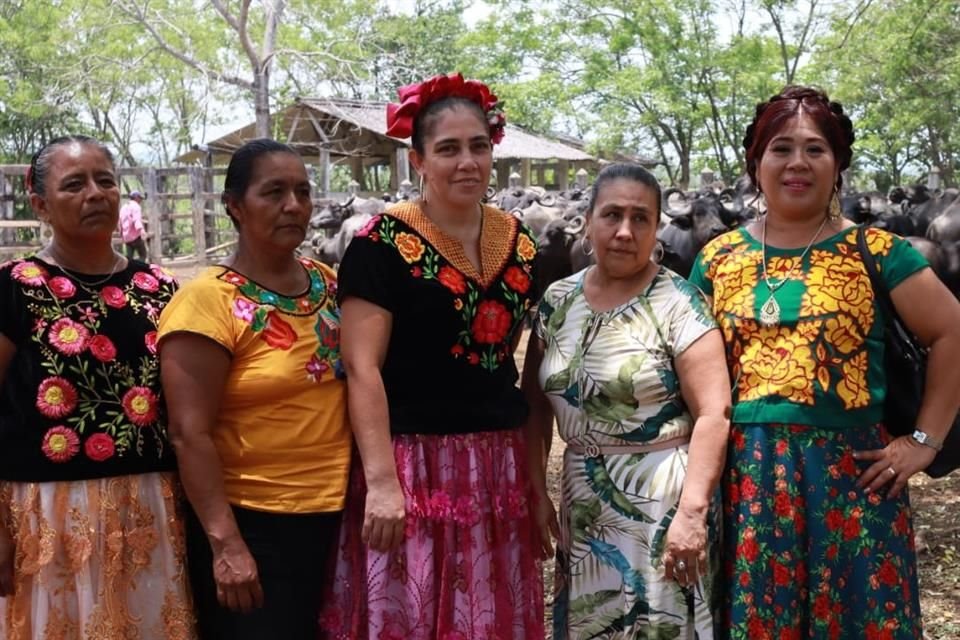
338	131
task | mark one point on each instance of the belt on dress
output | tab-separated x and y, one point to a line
593	450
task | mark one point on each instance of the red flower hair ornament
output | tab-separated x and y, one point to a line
415	97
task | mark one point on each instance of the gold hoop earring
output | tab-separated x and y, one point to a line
834	212
584	245
423	194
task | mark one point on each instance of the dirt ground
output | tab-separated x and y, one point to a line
937	520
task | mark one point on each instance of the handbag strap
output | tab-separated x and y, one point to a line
880	291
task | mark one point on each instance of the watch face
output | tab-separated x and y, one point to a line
920	437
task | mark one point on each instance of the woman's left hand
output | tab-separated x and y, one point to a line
894	464
685	552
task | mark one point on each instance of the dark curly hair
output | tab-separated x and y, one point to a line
771	116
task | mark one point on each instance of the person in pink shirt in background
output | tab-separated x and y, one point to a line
131	227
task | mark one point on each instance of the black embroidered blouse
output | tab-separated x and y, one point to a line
449	366
81	398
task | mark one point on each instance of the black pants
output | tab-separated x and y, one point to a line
292	553
138	247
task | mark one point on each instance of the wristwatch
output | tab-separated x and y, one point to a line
927	440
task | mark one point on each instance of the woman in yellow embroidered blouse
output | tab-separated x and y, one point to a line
251	367
818	531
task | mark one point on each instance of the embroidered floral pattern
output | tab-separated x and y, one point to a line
263	310
492	314
95	421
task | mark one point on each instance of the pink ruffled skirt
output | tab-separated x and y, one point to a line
468	567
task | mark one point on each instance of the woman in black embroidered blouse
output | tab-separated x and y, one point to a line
433	295
90	536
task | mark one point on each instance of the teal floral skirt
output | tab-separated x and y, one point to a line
807	553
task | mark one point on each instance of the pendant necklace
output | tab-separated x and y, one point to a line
770	311
76	277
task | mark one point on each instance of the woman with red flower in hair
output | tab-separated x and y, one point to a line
257	401
437	540
90	531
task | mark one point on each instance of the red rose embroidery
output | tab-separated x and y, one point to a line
456	350
150	340
492	322
851	529
99	447
748	489
140	406
278	333
781	574
888	574
517	279
113	297
834	519
62	287
102	348
473	358
453	280
145	281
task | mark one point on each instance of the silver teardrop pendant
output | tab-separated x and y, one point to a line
770	312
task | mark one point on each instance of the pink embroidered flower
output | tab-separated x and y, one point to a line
60	444
89	315
113	296
370	226
467	512
68	337
145	281
151	341
62	287
29	273
162	274
56	397
140	406
103	348
153	311
244	309
39	324
316	368
99	447
439	505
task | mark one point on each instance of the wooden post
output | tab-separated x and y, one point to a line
563	175
356	172
199	217
154	244
6	208
525	172
323	186
503	174
403	166
541	175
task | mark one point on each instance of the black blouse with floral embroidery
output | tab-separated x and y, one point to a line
449	366
81	398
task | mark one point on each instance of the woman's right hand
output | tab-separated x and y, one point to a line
384	515
235	572
545	519
7	554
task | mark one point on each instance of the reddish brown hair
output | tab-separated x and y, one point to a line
771	116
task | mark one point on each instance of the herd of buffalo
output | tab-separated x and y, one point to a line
929	219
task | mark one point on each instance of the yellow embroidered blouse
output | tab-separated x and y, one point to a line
823	363
283	435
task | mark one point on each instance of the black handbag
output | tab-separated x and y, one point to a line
905	364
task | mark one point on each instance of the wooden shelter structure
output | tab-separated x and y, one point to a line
335	131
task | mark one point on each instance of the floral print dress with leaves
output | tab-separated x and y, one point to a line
610	379
807	553
86	483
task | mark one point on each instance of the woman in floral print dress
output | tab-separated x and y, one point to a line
818	530
628	358
91	541
437	541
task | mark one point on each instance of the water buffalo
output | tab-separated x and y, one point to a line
686	232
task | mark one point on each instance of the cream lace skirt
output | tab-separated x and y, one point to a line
96	560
